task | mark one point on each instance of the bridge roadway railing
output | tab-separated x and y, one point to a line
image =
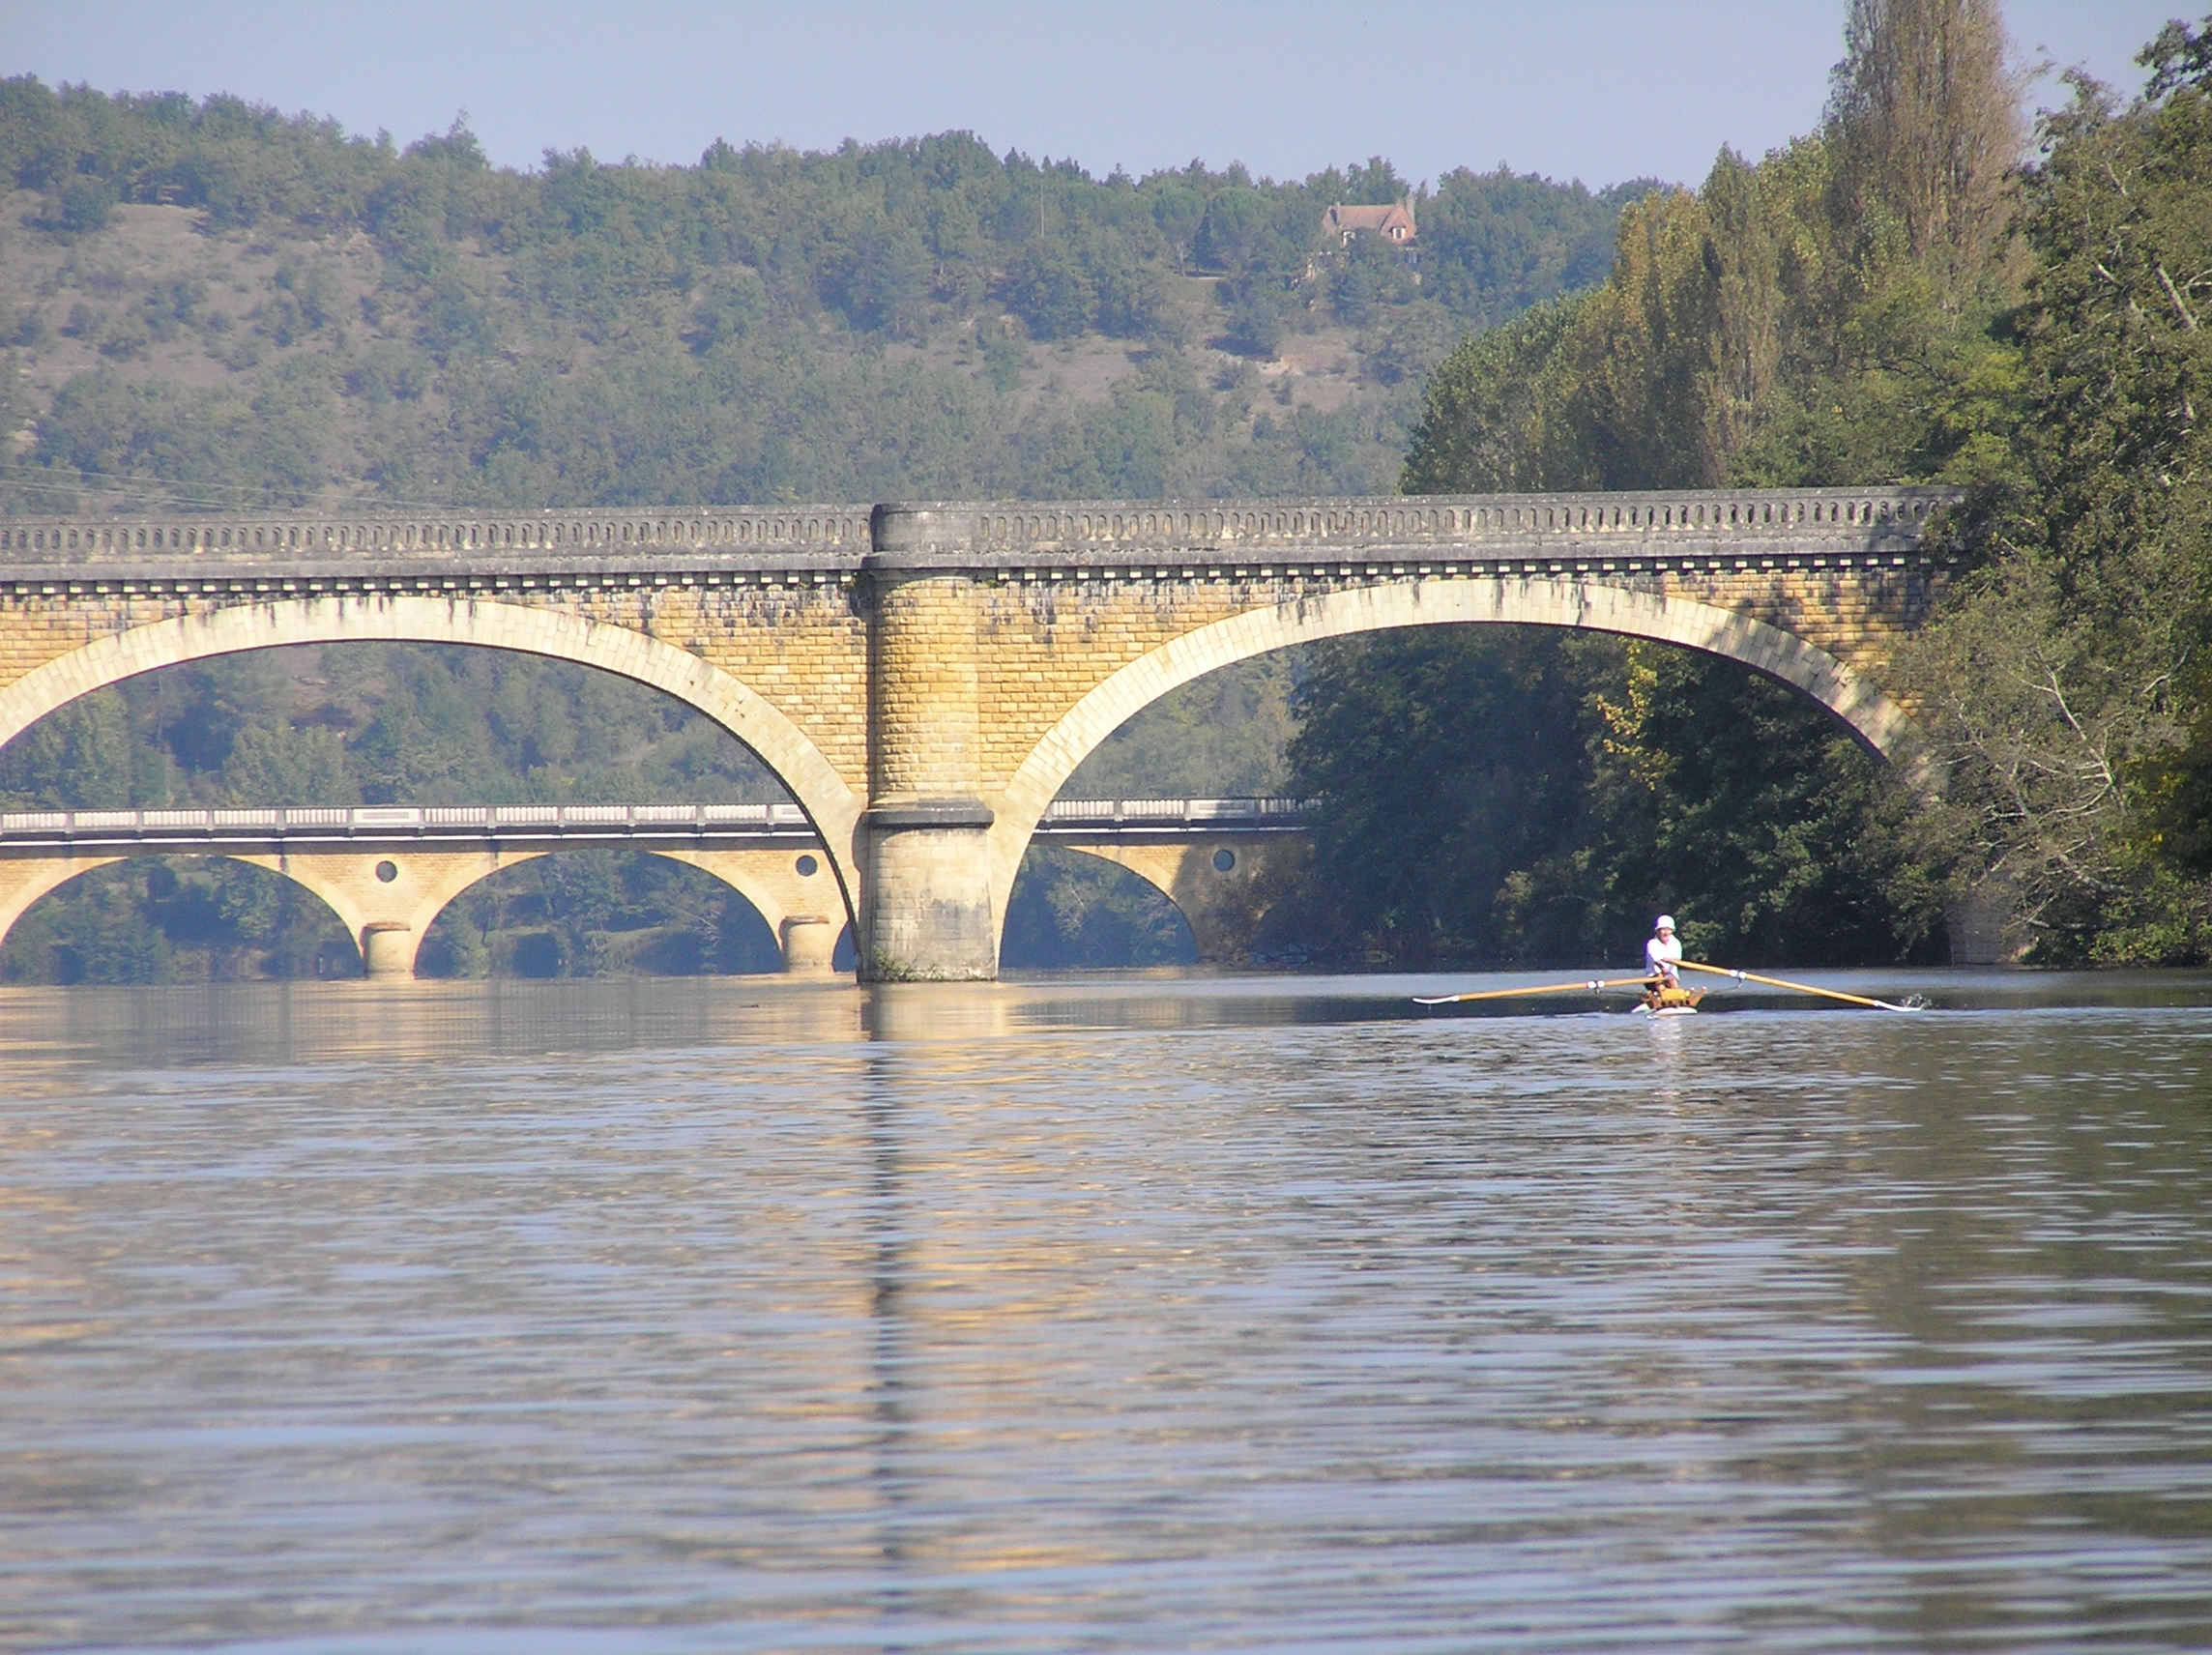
836	539
308	826
1173	818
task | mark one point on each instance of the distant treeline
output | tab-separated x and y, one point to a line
890	238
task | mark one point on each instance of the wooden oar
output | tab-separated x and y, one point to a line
1548	988
1800	988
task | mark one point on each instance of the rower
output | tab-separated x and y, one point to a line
1661	959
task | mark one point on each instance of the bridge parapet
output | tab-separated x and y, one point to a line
650	531
1886	519
1839	523
1178	818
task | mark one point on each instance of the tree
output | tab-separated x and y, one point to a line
1926	116
2067	688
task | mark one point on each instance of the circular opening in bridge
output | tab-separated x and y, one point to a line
1223	861
387	872
808	867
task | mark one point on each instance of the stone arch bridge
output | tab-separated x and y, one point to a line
925	678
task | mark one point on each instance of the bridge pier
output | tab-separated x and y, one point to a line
926	908
386	898
387	951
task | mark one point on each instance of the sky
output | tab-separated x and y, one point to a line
1599	90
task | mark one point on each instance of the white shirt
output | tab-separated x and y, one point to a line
1661	955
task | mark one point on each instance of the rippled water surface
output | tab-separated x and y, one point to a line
1137	1314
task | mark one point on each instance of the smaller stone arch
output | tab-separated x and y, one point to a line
1223	906
27	877
388	917
24	880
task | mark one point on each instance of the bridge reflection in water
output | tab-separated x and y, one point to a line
388	870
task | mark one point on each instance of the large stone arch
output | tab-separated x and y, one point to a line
1876	720
828	803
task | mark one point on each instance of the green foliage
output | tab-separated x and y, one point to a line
79	757
2072	700
1518	797
1223	736
1493	245
1736	804
767	325
1449	761
1491	421
1789	322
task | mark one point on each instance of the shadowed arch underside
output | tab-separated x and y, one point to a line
828	803
1876	720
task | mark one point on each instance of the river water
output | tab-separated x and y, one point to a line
1135	1313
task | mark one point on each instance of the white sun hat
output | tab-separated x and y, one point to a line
1664	922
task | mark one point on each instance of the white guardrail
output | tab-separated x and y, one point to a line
376	821
607	821
1086	813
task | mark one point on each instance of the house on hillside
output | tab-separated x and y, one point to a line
1393	224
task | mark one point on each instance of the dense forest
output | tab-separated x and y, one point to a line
214	303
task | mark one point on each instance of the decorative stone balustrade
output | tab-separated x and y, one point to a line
1888	521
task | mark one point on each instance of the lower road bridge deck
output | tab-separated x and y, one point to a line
388	869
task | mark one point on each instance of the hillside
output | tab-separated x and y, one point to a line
216	304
